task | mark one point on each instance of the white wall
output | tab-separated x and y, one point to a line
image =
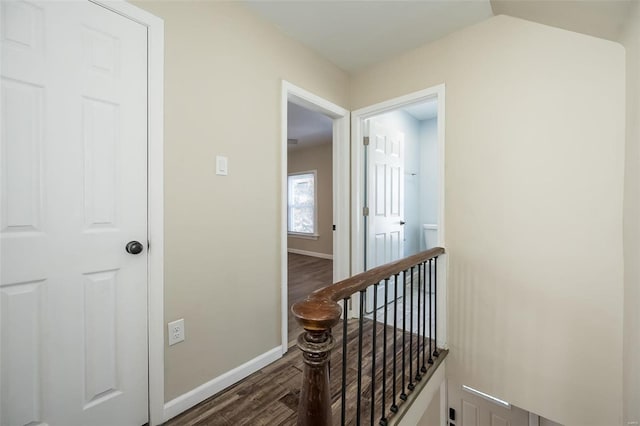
533	189
429	174
631	41
223	72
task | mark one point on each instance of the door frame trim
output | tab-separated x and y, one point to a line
341	195
155	198
358	229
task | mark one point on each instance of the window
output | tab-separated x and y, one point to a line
302	206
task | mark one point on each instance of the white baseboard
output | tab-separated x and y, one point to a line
206	390
311	253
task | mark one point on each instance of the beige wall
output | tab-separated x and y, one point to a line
431	416
631	40
316	158
534	177
546	422
223	71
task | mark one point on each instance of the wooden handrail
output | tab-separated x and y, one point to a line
320	312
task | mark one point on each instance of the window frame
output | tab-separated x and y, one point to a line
304	235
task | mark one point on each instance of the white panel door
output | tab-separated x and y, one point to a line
385	198
73	302
474	410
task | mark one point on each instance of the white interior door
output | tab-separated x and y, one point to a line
473	410
385	198
74	193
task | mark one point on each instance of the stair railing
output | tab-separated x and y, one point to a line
405	338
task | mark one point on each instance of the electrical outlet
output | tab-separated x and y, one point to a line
176	331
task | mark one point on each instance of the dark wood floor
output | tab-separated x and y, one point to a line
305	275
270	396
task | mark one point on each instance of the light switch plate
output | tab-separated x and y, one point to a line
222	165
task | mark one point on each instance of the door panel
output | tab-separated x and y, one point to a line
469	414
395	192
100	376
474	410
100	163
74	152
22	304
385	235
21	189
496	420
380	190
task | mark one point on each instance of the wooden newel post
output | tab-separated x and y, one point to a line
315	399
317	317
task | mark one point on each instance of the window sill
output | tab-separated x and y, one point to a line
303	236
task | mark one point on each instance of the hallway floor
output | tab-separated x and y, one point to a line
305	275
270	396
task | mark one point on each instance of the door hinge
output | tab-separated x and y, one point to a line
334	227
365	211
365	141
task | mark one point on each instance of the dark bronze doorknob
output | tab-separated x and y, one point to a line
402	222
134	247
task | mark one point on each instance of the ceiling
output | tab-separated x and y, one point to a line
354	34
308	128
357	33
423	111
604	18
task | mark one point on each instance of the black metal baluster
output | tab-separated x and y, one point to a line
435	307
424	316
403	395
373	353
411	386
394	406
360	321
344	363
430	361
383	419
418	375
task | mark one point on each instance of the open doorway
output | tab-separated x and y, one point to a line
309	205
402	184
315	238
398	176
